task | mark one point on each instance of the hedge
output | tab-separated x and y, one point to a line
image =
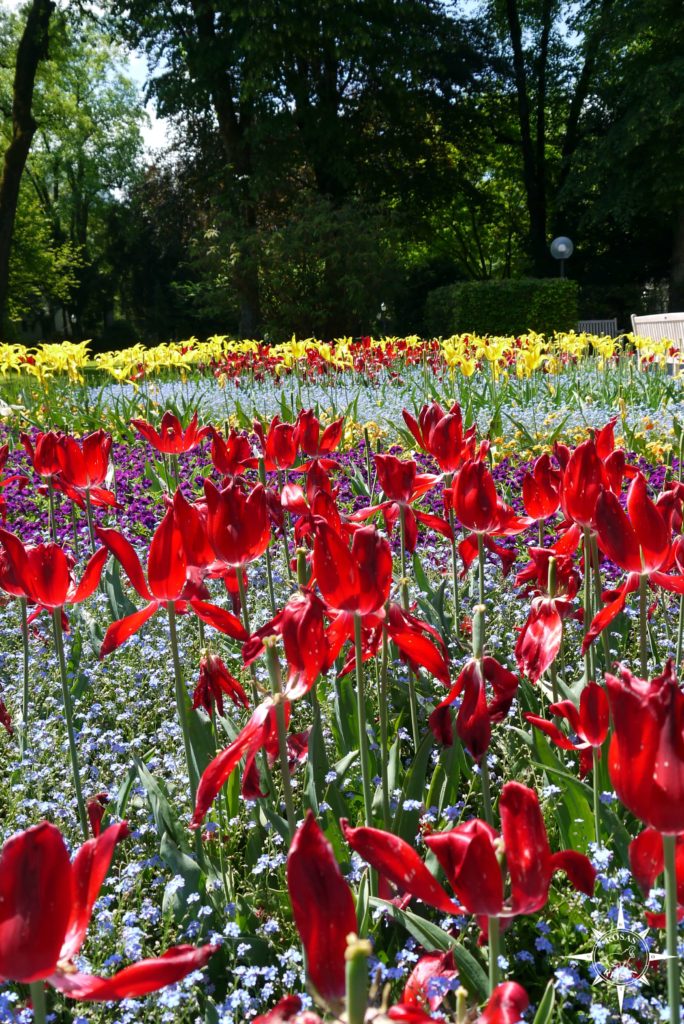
502	307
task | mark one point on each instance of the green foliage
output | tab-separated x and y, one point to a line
503	307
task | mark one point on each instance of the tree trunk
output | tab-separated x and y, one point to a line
32	49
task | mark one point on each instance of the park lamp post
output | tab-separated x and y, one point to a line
561	250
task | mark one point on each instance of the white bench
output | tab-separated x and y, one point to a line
598	327
660	325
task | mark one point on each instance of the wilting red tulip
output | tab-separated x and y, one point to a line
540	638
536	573
430	968
167	570
441	434
475	716
172	439
46	902
313	443
260	730
647	861
232	456
468	855
646	758
323	909
399	863
402	485
639	541
238	525
44	573
480	510
96	806
6	718
279	445
302	627
356	580
541	489
589	724
214	681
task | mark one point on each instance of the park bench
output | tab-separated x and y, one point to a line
660	325
598	327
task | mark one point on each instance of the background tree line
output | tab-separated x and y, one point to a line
331	163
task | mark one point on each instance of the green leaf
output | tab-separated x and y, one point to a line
432	937
406	822
180	864
166	820
545	1011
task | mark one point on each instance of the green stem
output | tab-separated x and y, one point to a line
68	714
486	791
588	656
51	504
37	990
286	527
361	721
413	700
356	972
23	740
221	820
551	587
673	988
384	731
680	632
181	703
597	598
74	532
269	566
494	952
454	560
276	690
595	785
91	524
643	623
480	567
245	622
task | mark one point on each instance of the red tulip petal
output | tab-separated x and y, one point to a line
35	902
552	731
136	980
91	577
594	714
322	906
49	575
122	629
528	856
284	1010
468	859
399	863
335	570
89	868
124	552
166	564
506	1004
646	858
219	618
650	527
616	535
579	869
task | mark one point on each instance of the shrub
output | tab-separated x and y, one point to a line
513	306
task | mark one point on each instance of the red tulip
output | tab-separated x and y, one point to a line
314	444
475	716
214	681
506	1004
441	434
44	573
44	455
480	510
584	479
402	485
85	465
256	734
172	439
6	718
639	542
540	638
468	855
302	627
536	572
541	489
589	724
430	967
646	758
238	525
279	445
46	903
167	569
323	909
646	860
399	863
356	580
232	456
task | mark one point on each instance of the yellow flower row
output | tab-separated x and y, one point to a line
464	352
